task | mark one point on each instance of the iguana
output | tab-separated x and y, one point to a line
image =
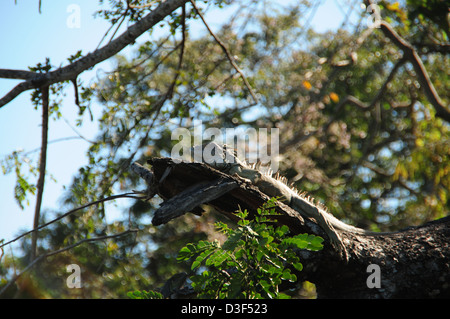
226	161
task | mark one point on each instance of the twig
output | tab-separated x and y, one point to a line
180	59
125	195
124	15
42	167
62	139
171	89
75	88
76	132
383	88
143	76
384	173
227	53
142	6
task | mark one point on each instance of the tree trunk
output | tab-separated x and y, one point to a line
411	263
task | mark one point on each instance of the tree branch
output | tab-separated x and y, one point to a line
125	195
422	74
191	198
170	91
11	95
18	74
90	60
42	167
227	53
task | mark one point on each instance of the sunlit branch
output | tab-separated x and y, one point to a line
90	60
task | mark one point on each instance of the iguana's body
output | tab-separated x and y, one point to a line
273	187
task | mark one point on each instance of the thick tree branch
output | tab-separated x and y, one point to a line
90	60
404	257
191	198
18	74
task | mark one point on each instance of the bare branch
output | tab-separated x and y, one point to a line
384	173
383	88
42	166
18	74
11	95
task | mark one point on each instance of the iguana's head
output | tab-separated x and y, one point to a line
219	157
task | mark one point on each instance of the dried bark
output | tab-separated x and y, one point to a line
414	262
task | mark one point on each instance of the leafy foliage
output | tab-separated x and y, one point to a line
144	294
255	259
253	262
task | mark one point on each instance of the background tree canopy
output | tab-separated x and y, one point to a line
360	130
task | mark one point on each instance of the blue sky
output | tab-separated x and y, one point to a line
27	38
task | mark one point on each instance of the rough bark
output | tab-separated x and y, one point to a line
414	262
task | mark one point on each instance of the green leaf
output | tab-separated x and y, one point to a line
184	254
305	241
217	258
287	275
316	243
233	241
201	258
235	287
298	266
